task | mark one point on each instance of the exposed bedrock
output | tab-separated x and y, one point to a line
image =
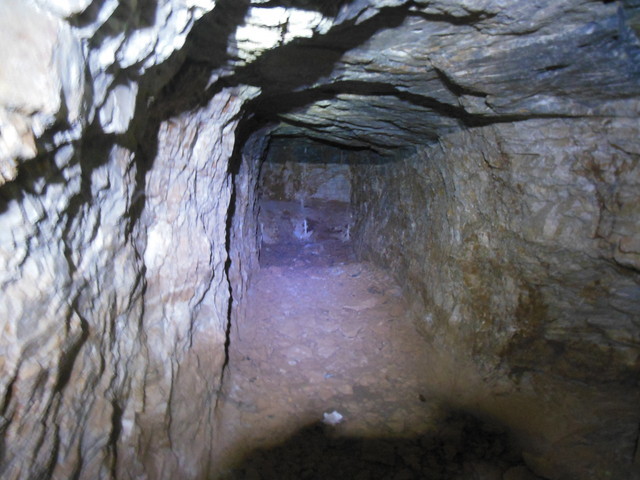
513	244
494	165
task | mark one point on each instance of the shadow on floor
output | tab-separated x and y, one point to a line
461	447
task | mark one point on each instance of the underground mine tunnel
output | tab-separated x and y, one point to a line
300	239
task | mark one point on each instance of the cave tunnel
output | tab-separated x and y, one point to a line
370	239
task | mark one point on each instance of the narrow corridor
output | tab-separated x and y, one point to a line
328	376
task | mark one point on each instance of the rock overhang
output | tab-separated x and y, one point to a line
390	74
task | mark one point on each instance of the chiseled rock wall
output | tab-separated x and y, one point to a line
113	257
299	170
188	196
518	244
244	241
115	303
72	285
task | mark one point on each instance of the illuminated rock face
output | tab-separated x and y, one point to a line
503	192
508	239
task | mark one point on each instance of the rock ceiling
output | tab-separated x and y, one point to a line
363	73
387	74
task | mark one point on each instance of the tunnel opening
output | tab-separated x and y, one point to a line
305	214
401	216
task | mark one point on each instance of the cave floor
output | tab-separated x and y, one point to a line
323	334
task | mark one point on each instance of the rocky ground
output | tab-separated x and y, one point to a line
327	378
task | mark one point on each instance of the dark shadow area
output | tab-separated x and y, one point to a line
127	16
364	155
208	40
319	152
325	7
461	446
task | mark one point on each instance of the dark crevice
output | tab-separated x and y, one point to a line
227	267
70	354
52	461
214	30
636	449
552	68
5	420
460	20
114	435
138	15
9	391
79	466
329	142
456	88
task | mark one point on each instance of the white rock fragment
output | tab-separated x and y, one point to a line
302	231
118	110
201	4
333	418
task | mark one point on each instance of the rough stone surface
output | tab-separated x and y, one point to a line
60	71
307	171
515	243
186	305
418	71
65	339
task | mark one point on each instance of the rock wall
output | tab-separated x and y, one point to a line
188	195
244	238
116	303
79	61
518	245
72	305
114	248
298	170
119	253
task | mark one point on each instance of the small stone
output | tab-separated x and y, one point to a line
332	418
